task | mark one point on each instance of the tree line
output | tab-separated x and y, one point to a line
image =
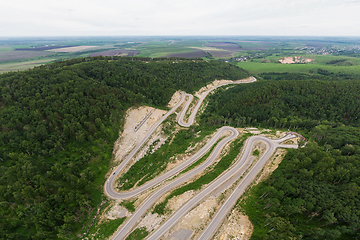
314	193
58	124
286	104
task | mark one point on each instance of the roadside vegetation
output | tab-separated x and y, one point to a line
129	205
105	229
58	123
208	176
138	234
314	193
152	164
57	129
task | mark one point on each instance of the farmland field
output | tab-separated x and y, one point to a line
5	48
71	49
257	66
192	54
118	52
14	66
256	54
17	55
42	48
256	45
169	48
233	47
221	54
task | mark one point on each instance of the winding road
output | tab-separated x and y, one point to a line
227	178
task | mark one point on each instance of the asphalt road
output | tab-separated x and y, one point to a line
148	202
109	185
193	114
231	200
240	165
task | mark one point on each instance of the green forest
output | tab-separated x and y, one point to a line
314	193
58	123
287	104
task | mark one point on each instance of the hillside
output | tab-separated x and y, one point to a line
58	125
314	193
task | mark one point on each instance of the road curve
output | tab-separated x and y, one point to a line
193	114
149	201
231	200
160	179
240	165
109	185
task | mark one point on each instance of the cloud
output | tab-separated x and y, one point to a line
186	17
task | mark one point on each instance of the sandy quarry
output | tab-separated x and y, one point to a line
296	59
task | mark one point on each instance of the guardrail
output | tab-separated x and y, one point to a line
138	126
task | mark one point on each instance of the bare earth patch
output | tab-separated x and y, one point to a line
197	217
117	211
176	202
175	99
151	221
216	83
71	49
237	226
208	49
129	138
296	59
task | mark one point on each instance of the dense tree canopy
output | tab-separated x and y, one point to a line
314	193
57	127
315	190
289	104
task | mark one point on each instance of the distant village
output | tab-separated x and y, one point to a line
302	50
328	50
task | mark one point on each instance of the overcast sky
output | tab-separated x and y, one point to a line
179	17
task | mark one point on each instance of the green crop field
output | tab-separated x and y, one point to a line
257	66
14	66
262	53
5	48
163	48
